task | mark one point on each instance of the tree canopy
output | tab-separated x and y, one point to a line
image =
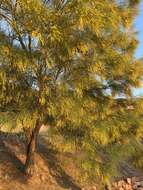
67	63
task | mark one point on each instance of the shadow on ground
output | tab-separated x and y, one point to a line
12	165
55	168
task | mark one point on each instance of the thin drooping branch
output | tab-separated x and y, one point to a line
29	44
22	43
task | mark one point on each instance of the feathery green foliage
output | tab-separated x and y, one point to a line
65	62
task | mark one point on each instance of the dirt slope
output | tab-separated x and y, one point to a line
51	171
49	175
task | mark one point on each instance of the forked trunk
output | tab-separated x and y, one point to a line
31	147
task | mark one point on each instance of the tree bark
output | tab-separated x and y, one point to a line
31	147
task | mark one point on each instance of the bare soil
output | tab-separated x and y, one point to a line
49	174
53	170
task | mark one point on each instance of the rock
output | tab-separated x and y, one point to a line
42	178
135	187
134	179
120	183
115	185
141	183
129	181
6	177
137	184
128	187
121	188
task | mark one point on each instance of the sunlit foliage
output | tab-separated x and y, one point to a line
67	62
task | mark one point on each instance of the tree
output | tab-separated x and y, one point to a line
65	63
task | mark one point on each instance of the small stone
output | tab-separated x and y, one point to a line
128	187
134	179
129	181
120	183
42	178
135	186
121	188
137	183
124	185
141	183
115	185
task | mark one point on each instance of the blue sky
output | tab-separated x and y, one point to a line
139	28
139	52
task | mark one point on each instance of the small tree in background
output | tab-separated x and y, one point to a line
64	63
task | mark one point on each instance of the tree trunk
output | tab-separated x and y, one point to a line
31	147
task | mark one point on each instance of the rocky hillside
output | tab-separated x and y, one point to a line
54	171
